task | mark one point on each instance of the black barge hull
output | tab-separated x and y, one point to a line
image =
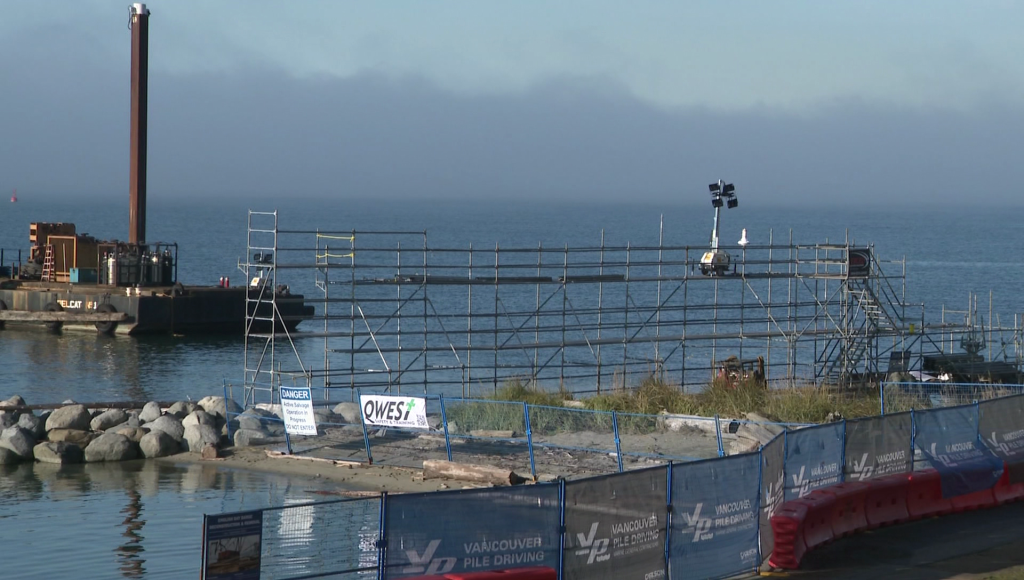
195	310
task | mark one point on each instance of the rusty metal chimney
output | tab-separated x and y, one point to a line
139	25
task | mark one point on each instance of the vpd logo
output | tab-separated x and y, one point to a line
595	549
426	563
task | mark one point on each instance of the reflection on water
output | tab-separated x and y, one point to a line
130	552
137	519
90	367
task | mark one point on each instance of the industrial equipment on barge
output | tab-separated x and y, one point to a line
132	287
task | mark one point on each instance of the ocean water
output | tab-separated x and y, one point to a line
949	253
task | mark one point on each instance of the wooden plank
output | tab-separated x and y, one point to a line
61	316
470	472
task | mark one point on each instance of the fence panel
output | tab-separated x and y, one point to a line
408	446
900	397
577	439
715	517
1002	428
773	483
878	446
334	539
674	437
615	526
472	531
948	440
814	459
490	432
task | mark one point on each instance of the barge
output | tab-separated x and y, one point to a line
132	287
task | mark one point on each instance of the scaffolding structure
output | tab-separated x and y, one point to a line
398	315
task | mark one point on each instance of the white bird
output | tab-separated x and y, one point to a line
743	238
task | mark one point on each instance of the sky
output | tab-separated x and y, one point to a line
796	102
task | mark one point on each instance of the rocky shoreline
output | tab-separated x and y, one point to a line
75	433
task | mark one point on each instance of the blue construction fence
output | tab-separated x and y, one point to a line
703	519
529	439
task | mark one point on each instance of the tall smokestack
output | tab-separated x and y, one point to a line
139	25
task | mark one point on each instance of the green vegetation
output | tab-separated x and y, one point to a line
652	396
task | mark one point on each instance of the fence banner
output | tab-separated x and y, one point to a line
391	411
814	458
878	446
773	456
948	440
615	526
714	516
1002	428
232	550
471	531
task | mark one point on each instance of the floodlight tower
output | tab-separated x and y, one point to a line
716	261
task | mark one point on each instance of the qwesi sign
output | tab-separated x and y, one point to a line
388	411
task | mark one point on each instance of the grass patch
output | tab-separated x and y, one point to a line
653	395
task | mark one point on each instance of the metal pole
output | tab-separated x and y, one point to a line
382	542
139	24
444	422
366	436
718	436
618	445
529	440
600	305
561	527
469	333
495	318
668	519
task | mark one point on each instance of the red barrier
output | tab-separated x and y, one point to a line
972	501
885	501
848	509
924	495
818	524
529	573
787	530
1005	492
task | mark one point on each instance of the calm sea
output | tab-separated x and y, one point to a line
950	253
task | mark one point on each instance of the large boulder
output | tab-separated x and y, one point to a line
198	435
272	408
150	412
58	452
33	424
70	417
8	457
158	444
199	417
108	419
18	440
168	424
8	419
76	436
134	433
15	401
111	447
215	405
133	419
182	409
250	437
349	413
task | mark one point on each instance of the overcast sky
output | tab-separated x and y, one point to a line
793	101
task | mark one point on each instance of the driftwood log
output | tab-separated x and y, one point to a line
433	469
